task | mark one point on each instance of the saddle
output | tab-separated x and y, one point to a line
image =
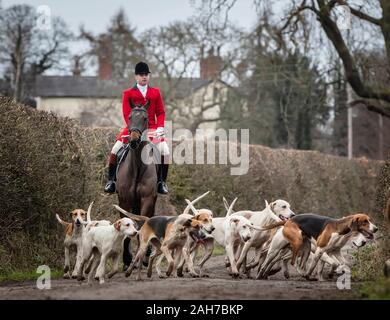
121	156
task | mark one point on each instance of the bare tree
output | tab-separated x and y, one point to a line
26	49
323	12
371	14
175	53
121	36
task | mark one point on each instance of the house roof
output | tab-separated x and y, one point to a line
75	86
93	87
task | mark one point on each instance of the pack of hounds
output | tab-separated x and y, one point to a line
273	239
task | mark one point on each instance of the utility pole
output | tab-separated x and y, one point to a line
350	127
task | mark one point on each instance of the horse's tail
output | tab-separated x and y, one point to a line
64	223
131	215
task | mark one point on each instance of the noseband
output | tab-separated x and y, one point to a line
143	109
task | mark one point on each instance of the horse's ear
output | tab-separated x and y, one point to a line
146	106
132	104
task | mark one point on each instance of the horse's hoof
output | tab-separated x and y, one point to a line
161	276
66	276
194	275
80	278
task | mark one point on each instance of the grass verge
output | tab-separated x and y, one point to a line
19	276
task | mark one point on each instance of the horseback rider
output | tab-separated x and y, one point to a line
140	94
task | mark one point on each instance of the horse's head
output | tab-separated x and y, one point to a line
138	123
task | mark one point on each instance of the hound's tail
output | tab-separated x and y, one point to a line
64	223
131	215
89	212
275	225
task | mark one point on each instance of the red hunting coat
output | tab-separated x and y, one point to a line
156	111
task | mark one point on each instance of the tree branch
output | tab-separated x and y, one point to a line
370	105
365	16
333	33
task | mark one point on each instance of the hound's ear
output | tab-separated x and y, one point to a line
266	204
187	223
273	204
355	223
235	220
117	225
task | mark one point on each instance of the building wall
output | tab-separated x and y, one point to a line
89	111
108	112
191	107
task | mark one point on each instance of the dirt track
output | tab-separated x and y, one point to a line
218	286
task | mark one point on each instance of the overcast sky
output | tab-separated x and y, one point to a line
96	14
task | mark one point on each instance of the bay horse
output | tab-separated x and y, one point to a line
136	183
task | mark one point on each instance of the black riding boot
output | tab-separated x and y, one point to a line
162	175
110	186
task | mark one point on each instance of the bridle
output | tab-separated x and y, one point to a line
139	109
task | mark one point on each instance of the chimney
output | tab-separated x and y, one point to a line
104	59
78	67
211	66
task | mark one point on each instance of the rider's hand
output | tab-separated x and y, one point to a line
160	132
